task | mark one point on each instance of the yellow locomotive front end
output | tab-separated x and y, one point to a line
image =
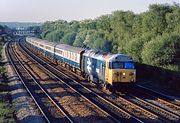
120	71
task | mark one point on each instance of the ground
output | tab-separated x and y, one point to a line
6	107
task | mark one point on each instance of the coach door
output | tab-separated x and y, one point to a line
102	71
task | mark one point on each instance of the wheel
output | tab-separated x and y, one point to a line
82	74
103	85
89	79
110	88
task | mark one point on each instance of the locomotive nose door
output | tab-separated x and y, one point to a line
116	71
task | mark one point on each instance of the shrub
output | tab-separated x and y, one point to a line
161	51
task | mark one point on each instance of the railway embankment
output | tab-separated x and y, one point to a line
159	79
6	106
24	109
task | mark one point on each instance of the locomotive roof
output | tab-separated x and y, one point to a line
119	57
107	56
70	48
95	54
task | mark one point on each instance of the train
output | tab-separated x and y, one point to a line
109	70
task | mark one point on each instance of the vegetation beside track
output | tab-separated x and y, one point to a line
6	107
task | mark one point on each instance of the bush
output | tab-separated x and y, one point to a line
161	51
3	71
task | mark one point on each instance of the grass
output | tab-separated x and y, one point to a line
6	108
6	112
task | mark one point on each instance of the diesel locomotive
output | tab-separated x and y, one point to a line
108	70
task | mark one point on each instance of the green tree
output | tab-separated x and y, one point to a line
121	24
80	38
88	24
173	20
154	20
161	51
103	23
69	38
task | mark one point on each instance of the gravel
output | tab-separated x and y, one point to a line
25	108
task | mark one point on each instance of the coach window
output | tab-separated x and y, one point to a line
47	47
72	56
41	45
69	55
59	51
75	57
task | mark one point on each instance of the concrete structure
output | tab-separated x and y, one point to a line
23	32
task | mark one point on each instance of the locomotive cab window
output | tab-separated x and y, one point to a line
129	65
115	65
121	65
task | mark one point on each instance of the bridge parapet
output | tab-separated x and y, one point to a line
23	32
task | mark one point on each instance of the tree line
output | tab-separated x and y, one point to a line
5	35
151	37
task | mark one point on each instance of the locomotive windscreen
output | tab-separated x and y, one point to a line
129	65
121	65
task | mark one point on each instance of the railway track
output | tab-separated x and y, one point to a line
168	116
154	99
71	104
159	95
131	108
113	110
167	112
42	100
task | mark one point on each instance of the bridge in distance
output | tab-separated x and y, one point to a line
23	32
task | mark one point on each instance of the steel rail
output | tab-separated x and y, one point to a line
161	112
50	98
113	105
162	103
19	76
161	94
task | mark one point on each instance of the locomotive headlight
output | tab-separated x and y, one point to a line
124	74
131	73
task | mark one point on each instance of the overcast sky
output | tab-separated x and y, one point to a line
49	10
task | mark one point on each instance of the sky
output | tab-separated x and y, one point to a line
50	10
